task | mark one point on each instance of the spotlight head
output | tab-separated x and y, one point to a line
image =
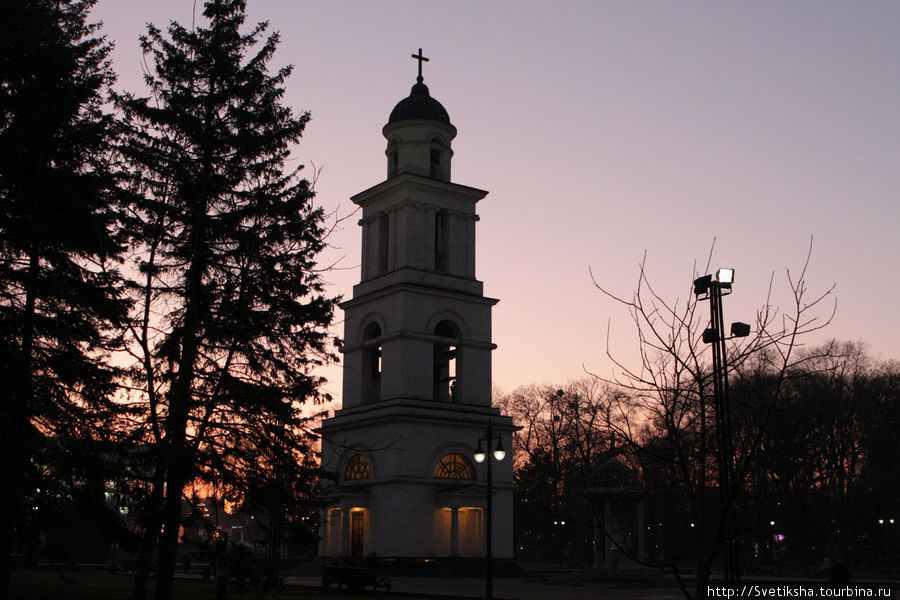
711	335
701	285
725	276
739	329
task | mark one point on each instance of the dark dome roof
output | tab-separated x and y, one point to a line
614	474
419	105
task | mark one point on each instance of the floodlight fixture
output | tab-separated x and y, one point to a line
725	276
711	335
739	329
701	285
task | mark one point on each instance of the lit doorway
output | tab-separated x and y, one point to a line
357	532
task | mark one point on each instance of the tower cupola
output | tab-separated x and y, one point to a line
419	132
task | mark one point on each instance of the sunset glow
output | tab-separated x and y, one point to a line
604	130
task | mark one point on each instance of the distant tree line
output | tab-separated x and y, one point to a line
820	477
828	475
160	304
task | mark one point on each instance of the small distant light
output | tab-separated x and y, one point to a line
725	276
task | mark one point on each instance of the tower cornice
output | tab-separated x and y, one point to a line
420	289
413	181
461	214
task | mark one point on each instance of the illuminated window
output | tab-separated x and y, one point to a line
357	467
455	466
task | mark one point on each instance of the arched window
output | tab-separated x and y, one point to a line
435	170
454	466
444	362
437	151
371	363
357	468
393	158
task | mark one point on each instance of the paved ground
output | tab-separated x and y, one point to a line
512	588
507	588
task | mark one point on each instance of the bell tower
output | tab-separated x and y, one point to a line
417	361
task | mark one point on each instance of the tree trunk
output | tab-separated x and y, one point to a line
14	427
12	465
179	459
168	543
178	470
149	539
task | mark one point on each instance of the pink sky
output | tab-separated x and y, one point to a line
606	129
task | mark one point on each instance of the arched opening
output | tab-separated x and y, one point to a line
435	170
371	363
445	362
393	158
357	468
437	155
454	466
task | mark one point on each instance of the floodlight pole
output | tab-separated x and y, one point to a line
724	437
715	335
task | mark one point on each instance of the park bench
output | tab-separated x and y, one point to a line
353	578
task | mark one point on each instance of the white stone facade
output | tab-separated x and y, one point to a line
417	366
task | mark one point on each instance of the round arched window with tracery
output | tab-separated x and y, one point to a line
357	467
455	466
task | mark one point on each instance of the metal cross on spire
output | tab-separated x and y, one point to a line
421	59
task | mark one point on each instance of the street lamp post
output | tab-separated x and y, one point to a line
774	542
707	288
480	455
